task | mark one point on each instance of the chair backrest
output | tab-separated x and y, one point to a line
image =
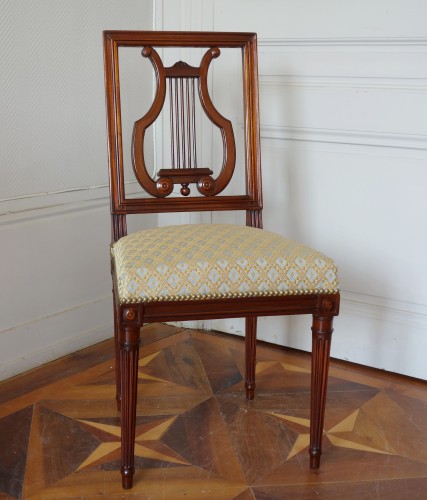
180	91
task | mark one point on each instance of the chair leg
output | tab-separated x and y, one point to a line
250	354
322	333
117	353
129	351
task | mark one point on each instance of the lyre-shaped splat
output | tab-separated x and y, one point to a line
180	81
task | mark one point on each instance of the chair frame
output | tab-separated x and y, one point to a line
130	317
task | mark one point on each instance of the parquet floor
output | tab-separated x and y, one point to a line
198	438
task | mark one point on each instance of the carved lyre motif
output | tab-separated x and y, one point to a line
180	81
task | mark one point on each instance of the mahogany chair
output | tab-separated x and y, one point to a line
202	271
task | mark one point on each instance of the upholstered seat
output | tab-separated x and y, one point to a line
207	261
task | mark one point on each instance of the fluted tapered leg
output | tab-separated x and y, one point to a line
322	332
250	352
129	350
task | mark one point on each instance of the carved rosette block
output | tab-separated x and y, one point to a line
130	315
328	305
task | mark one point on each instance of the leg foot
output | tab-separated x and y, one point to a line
250	391
127	478
315	459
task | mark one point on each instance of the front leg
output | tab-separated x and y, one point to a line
129	353
322	333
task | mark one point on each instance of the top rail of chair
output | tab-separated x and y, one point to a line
180	38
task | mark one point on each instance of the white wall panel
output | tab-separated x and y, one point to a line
306	19
343	100
56	282
52	95
54	210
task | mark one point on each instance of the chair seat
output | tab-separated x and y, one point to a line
207	261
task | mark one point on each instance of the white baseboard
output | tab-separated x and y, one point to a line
37	342
372	331
382	333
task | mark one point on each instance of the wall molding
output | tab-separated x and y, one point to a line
346	82
345	137
403	313
33	206
55	314
344	41
60	333
34	214
382	333
44	203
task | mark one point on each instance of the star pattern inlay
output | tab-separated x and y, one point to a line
347	425
148	443
143	362
343	435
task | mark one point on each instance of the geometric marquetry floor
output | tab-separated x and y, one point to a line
198	438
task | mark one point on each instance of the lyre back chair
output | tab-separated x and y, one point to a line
202	271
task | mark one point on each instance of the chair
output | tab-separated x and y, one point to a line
202	271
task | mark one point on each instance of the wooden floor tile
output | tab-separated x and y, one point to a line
14	437
395	489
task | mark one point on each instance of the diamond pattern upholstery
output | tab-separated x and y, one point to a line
208	261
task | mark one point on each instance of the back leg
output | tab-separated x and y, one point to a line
117	353
250	354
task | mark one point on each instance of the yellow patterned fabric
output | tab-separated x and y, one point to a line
206	261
